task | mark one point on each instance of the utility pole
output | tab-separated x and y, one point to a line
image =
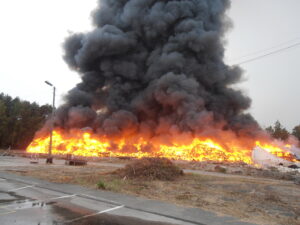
50	157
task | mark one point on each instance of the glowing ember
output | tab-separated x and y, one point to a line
86	144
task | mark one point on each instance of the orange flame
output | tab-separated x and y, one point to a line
277	151
86	144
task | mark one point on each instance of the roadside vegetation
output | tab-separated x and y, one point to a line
278	131
19	120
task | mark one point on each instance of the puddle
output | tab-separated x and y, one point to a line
56	213
29	204
106	219
14	201
70	213
10	197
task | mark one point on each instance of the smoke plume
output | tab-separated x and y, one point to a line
155	67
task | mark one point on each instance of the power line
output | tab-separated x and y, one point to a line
268	54
266	49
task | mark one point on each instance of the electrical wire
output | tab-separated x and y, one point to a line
268	54
264	50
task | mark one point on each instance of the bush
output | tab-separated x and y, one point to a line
151	169
101	185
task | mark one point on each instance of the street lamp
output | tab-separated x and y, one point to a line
50	158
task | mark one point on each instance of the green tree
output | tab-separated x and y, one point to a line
296	132
19	120
278	131
270	130
3	120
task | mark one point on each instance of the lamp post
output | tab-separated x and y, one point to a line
50	158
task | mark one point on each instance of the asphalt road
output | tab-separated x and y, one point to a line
22	204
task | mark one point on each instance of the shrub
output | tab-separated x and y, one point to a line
101	185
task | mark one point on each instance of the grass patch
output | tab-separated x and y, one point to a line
114	185
101	185
111	184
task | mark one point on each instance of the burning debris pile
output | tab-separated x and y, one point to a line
154	84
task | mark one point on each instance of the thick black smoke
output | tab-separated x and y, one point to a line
155	67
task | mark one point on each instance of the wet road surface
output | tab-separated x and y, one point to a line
27	200
23	204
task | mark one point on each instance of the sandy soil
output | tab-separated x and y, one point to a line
256	200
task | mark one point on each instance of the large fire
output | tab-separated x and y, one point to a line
86	144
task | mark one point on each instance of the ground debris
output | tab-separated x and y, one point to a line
151	169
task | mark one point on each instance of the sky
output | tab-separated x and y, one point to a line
32	33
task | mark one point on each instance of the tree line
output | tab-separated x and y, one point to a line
277	131
19	120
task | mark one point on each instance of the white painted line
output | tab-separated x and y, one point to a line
101	199
95	214
61	197
17	189
112	209
2	179
2	214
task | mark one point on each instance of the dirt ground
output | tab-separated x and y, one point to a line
257	200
